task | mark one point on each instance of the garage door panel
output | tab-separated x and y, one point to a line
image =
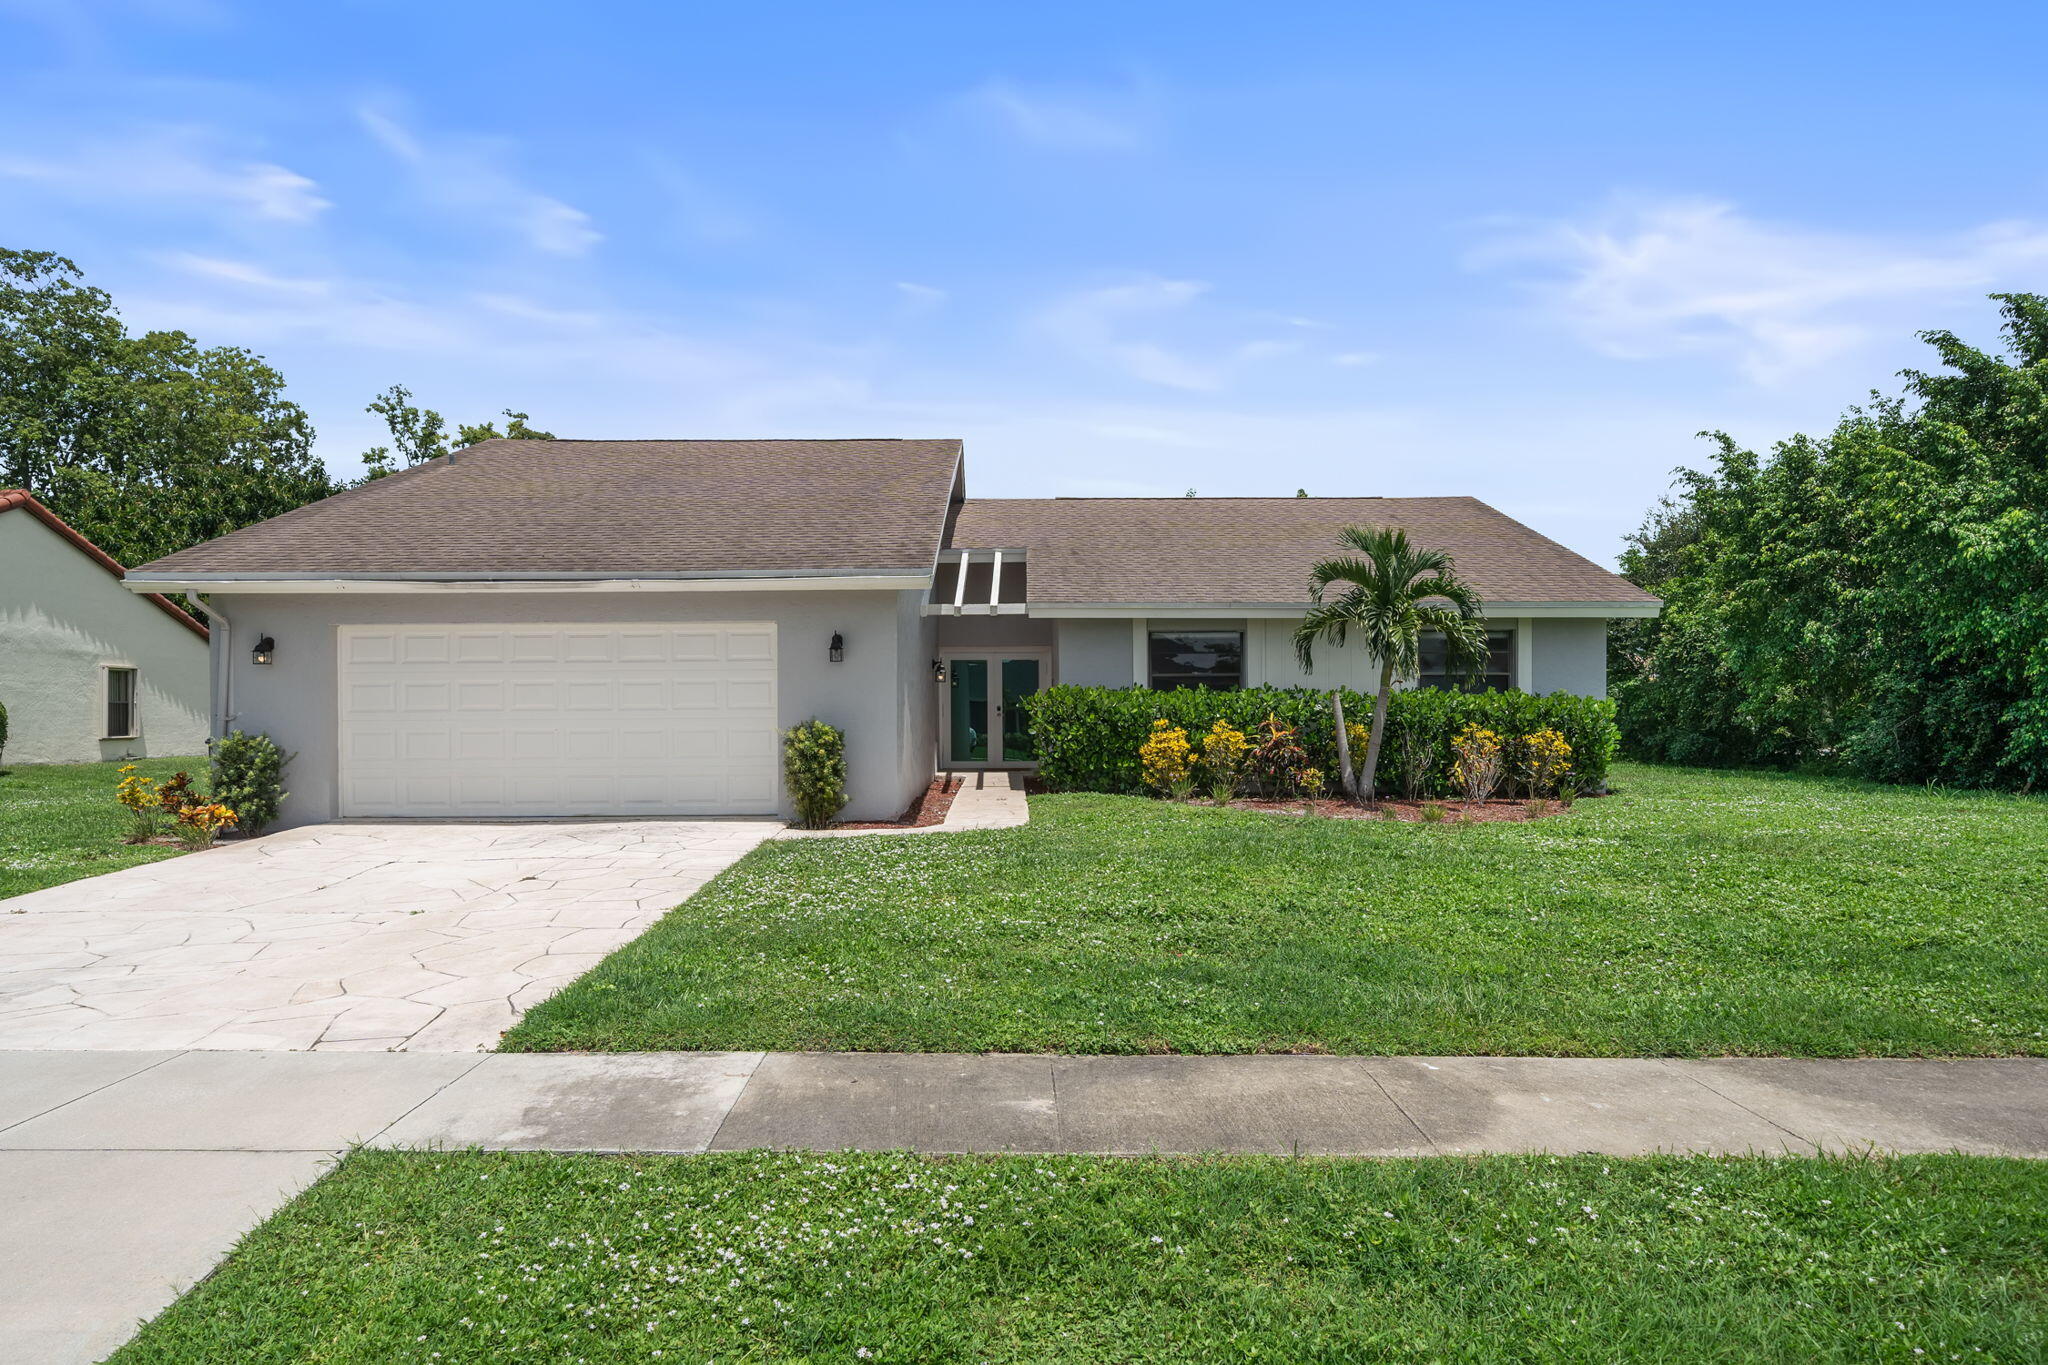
558	720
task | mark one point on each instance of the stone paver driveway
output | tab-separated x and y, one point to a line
352	936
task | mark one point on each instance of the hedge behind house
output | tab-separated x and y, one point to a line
1088	737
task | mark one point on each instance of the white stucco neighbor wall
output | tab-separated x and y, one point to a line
63	618
888	742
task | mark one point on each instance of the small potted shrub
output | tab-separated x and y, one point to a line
248	777
814	767
200	823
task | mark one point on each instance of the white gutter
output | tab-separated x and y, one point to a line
224	691
904	582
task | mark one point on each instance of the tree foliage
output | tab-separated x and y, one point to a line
1875	599
420	434
145	443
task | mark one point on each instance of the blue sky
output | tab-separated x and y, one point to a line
1518	251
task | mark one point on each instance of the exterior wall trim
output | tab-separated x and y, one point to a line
1271	611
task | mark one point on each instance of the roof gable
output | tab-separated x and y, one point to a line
623	509
1258	551
20	499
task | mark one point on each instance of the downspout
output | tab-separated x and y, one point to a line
224	688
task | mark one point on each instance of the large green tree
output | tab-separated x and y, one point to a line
1875	599
1391	592
419	434
146	443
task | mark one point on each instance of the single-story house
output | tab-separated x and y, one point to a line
536	628
89	671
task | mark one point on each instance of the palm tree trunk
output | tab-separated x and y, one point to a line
1379	728
1345	775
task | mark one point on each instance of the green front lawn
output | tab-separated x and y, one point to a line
59	822
426	1257
1694	913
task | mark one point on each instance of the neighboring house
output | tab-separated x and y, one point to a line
533	628
87	670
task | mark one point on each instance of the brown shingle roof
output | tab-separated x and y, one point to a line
626	508
11	498
1257	551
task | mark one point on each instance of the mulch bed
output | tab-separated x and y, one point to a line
1455	812
928	809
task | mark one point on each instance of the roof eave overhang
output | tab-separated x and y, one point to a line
1291	611
858	580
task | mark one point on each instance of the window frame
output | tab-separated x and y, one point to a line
1502	642
133	701
1153	675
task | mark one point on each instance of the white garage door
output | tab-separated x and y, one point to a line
558	720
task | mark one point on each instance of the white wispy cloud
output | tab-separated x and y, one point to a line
247	274
468	176
920	298
1123	120
1675	276
170	166
1159	331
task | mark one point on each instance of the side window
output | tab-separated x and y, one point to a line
120	703
1197	658
1497	673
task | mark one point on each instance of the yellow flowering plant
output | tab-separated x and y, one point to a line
1546	762
1476	762
1168	760
1223	751
200	823
138	794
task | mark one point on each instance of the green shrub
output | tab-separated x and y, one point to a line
1088	737
814	765
248	778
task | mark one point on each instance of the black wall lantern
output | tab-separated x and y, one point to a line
938	670
837	653
265	651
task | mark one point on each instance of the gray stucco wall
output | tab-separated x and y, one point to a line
888	745
63	618
1569	655
1094	653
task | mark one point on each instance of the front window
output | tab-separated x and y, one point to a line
1197	658
1497	673
120	703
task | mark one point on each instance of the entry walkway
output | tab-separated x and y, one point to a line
126	1176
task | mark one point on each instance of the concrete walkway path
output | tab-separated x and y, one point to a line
984	800
354	936
125	1176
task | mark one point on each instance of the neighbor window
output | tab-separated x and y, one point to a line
1498	672
1197	658
120	703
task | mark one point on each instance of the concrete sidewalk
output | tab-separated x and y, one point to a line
124	1176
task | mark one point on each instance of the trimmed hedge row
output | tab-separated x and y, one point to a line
1088	737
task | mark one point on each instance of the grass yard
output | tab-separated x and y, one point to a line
1695	913
58	821
434	1257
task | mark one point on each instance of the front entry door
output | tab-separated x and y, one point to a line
984	716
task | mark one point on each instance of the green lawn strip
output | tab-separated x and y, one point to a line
59	821
1694	913
426	1257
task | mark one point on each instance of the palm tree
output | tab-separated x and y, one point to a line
1395	591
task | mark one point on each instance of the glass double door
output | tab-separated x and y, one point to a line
985	722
